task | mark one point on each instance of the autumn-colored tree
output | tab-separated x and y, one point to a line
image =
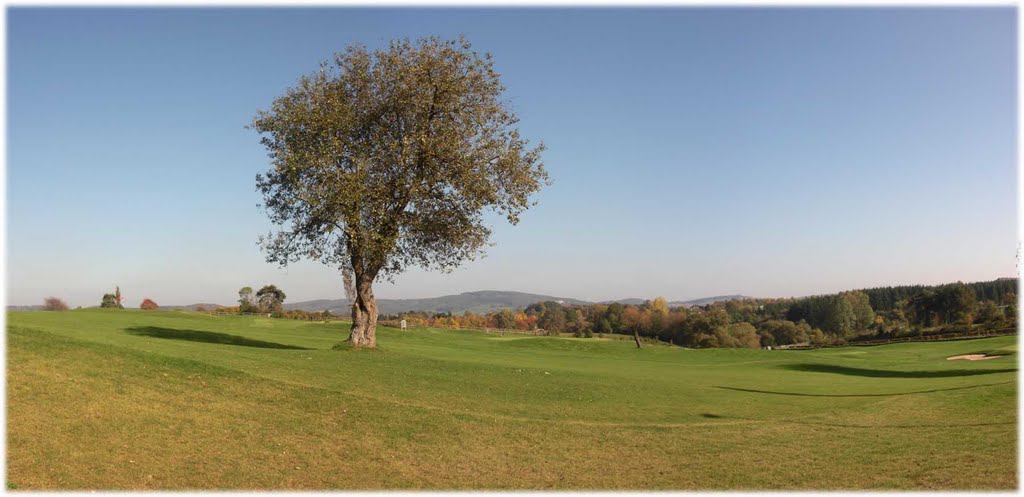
659	306
745	335
148	305
658	310
387	159
525	322
54	304
636	319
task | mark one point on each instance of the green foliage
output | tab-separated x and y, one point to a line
783	332
990	314
270	299
388	159
889	298
839	317
246	301
1009	305
736	335
385	159
550	315
110	301
505	319
863	314
946	304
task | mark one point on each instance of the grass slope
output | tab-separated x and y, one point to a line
112	399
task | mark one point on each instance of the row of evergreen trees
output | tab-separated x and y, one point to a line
887	298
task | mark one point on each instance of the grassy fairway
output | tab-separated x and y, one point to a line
174	400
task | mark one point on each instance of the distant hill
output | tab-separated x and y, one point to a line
476	302
707	300
190	307
24	308
624	301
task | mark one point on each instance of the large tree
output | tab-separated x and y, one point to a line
270	299
388	159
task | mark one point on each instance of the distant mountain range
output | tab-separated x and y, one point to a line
708	300
191	307
476	302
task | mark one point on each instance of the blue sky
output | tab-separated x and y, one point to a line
694	151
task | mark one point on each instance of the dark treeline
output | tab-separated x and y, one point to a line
887	298
887	312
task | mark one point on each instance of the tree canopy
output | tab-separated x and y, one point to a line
387	159
270	298
245	299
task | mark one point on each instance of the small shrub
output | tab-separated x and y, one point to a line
148	305
54	304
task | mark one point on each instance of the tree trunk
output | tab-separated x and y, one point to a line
364	315
636	336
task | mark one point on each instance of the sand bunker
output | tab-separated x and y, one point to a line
973	357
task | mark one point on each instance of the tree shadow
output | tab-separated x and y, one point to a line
206	337
798	394
873	427
993	352
883	373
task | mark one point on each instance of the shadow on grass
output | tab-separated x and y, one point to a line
883	373
206	337
798	394
846	425
994	352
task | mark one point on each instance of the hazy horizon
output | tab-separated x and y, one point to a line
290	300
695	152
